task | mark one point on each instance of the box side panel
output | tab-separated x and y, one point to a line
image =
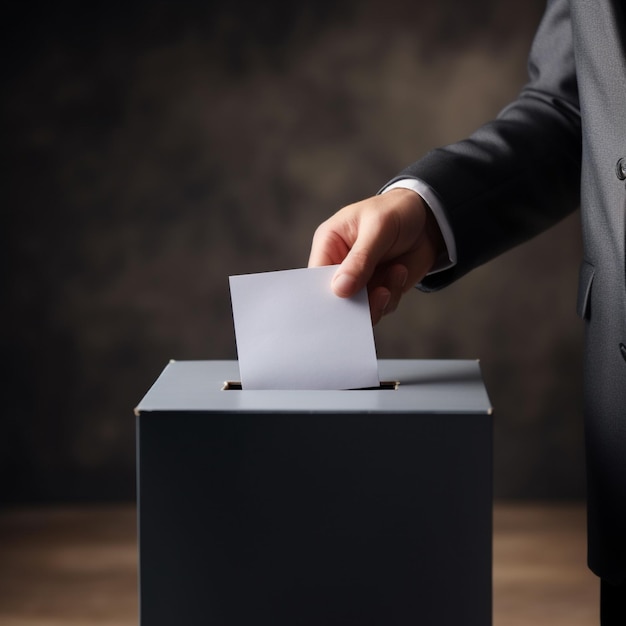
315	519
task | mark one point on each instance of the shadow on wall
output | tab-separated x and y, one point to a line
155	153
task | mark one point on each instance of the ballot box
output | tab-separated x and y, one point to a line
313	508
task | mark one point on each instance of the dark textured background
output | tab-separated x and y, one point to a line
152	151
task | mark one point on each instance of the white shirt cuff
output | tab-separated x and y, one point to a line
448	260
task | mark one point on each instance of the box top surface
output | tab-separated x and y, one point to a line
425	386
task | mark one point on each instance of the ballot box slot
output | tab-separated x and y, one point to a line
385	385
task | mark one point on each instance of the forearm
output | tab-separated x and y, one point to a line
504	185
519	174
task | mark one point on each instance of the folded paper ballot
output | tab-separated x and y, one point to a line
293	332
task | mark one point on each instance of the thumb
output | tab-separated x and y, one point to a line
361	261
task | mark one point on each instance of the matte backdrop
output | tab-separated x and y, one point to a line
153	150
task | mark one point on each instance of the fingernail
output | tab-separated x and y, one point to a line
383	301
401	277
343	285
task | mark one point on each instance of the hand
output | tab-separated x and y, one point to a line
388	242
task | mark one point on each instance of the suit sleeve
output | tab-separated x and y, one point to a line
519	174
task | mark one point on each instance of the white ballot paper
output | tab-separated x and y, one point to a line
293	332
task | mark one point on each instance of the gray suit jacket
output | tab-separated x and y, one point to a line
556	147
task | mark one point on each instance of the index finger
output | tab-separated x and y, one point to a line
328	247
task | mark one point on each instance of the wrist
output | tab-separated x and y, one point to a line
446	255
424	222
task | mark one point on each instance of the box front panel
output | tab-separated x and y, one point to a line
315	519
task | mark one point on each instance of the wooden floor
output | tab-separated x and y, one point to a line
78	566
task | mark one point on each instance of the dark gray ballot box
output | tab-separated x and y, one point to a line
315	508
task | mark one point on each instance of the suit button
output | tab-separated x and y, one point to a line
622	349
620	168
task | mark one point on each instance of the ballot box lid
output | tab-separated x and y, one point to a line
410	386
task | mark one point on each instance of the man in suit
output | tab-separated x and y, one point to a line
560	145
